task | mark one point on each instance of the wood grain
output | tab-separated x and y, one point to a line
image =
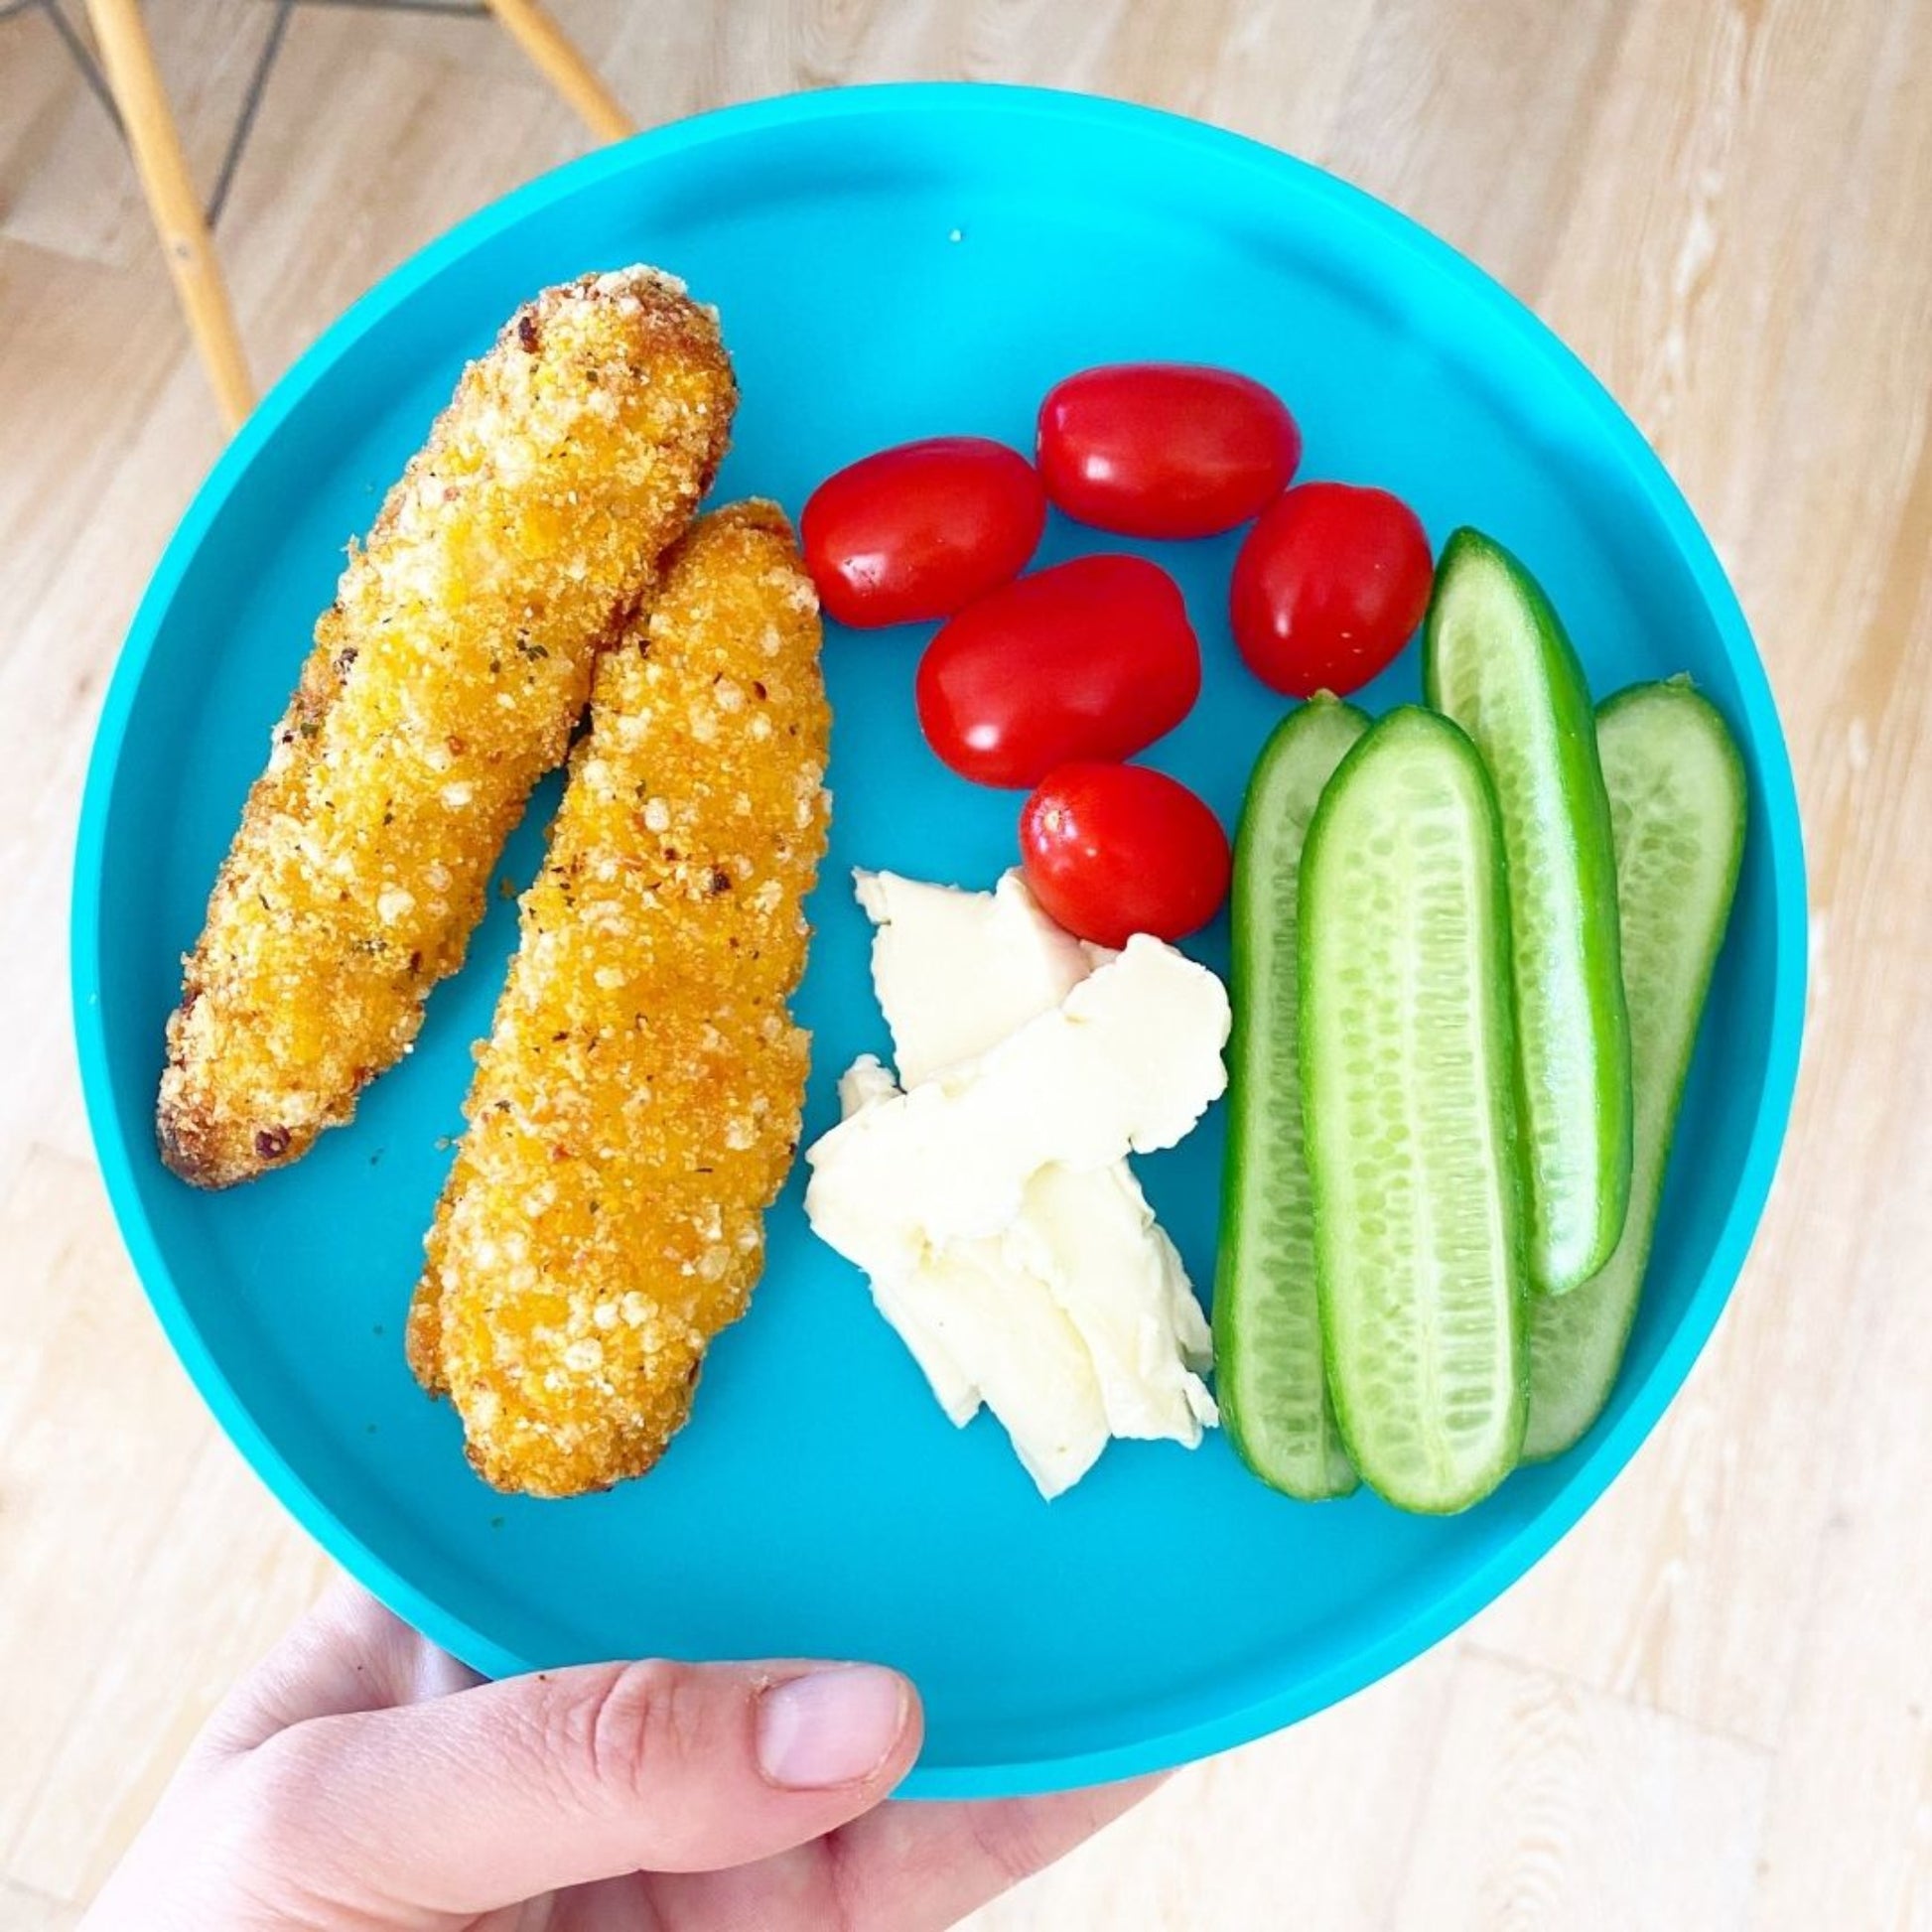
1711	1707
1224	1844
1578	1811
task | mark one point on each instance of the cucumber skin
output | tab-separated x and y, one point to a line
1337	1476
1604	1308
1582	781
1515	1151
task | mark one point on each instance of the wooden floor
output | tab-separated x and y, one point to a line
1712	1707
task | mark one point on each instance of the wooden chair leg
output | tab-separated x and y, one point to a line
128	56
564	67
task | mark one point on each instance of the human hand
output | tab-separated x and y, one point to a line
362	1781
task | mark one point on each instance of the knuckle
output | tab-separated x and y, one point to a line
282	1791
276	1832
637	1724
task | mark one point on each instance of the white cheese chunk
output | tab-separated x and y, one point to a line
865	1083
1091	1238
1029	1361
956	972
1127	1062
1005	1236
965	1305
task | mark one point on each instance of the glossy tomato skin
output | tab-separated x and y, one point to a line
1164	449
1089	659
1328	587
918	531
1112	849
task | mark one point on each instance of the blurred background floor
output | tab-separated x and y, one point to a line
1708	1709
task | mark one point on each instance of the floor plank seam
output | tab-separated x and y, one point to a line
1432	1745
1572	1680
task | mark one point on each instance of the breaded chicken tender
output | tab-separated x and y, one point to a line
635	1108
443	684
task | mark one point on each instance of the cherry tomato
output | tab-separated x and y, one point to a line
920	530
1164	449
1328	587
1112	849
1090	659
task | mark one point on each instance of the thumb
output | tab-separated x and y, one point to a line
502	1793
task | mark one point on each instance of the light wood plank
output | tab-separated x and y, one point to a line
389	197
68	186
563	65
1851	1808
122	456
1556	1807
102	1430
64	181
1314	1815
1687	1588
1448	105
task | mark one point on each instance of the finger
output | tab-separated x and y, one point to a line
905	1867
347	1654
912	1867
513	1789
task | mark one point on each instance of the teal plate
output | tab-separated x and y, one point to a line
895	262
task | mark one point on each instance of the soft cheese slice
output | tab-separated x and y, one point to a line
956	972
1127	1062
865	1083
1033	1368
1092	1239
1075	1320
965	1305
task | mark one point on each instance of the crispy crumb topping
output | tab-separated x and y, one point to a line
443	684
636	1106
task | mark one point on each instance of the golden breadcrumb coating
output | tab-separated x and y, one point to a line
443	684
635	1108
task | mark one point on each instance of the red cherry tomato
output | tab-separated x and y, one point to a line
1090	659
920	530
1164	449
1328	587
1112	849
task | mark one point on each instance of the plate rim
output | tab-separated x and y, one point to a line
1593	1471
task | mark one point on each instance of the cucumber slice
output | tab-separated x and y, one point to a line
1677	801
1496	660
1269	1372
1407	1081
